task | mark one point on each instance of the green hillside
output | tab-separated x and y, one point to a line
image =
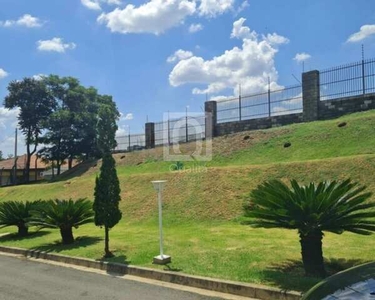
202	207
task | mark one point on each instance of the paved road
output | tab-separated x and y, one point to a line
30	280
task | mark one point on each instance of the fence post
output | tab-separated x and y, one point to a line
186	126
130	149
210	111
240	106
310	95
269	98
363	77
150	135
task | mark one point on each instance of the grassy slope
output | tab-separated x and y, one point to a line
201	208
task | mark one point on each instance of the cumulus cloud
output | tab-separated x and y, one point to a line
8	117
211	8
95	4
128	116
3	73
195	28
179	55
364	32
39	76
55	45
25	21
250	65
300	57
157	16
245	4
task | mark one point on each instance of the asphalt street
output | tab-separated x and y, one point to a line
30	280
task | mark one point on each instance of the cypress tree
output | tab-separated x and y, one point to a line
107	198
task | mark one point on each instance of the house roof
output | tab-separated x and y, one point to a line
8	164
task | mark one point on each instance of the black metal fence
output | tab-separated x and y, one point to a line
271	103
131	142
181	130
348	80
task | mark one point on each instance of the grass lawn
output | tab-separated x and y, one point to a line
225	250
202	209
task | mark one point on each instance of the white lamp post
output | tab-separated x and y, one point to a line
161	259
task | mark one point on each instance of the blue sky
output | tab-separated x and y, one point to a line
128	48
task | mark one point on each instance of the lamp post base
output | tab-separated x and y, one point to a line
162	260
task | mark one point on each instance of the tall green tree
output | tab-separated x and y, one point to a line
312	209
35	104
107	198
107	187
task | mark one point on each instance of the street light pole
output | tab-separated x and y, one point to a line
160	259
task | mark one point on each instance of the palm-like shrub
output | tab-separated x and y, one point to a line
64	215
328	206
17	213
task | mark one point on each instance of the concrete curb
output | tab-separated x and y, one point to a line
229	287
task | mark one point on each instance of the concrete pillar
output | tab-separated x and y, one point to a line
210	108
311	95
150	135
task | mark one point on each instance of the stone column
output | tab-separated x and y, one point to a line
311	95
150	135
210	108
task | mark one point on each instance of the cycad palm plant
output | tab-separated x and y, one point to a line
64	215
328	206
17	213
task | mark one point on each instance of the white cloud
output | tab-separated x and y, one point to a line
3	73
276	39
95	4
121	131
211	8
245	4
56	45
364	32
300	57
129	116
242	32
8	117
179	55
249	65
155	16
91	4
195	28
26	21
39	76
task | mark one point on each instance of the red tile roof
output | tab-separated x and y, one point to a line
8	164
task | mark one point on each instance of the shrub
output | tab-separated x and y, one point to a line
17	213
64	215
328	206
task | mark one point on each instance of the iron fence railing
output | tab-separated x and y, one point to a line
271	103
131	142
185	129
348	80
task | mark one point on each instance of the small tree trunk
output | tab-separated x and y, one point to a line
70	162
107	253
67	235
23	230
312	254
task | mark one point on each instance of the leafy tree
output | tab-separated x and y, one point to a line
16	213
328	206
35	104
107	124
1	155
64	215
107	198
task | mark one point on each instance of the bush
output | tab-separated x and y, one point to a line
16	213
64	215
